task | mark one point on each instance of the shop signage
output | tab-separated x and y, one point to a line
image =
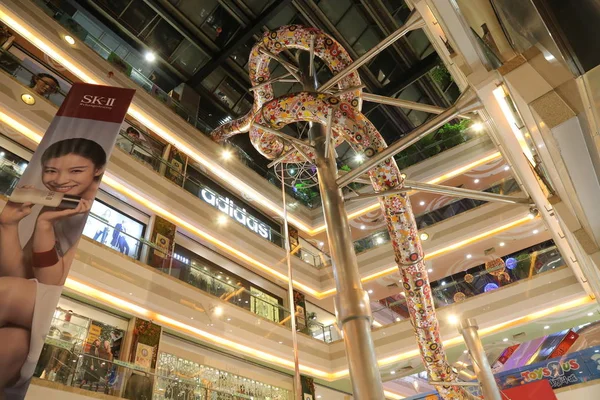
227	206
568	370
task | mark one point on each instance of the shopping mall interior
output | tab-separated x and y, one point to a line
238	247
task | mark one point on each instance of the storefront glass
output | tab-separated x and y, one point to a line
179	378
81	348
114	229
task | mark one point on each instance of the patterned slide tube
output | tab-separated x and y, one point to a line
348	124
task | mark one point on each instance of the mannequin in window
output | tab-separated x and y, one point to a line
102	233
120	227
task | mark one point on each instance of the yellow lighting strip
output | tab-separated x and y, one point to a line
454	246
441	178
125	305
138	114
115	183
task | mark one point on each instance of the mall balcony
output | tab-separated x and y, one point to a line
213	310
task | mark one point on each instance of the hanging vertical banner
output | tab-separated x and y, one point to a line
42	223
308	388
163	236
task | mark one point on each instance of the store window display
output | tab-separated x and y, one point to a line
185	379
114	229
81	346
11	169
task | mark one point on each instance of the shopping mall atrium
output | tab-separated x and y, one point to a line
238	246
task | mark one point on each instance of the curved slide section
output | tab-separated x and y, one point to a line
349	124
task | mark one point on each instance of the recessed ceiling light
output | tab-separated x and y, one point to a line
477	126
226	154
421	203
150	56
321	243
358	158
430	270
28	99
443	283
453	319
222	219
505	339
393	372
547	327
398	319
218	310
535	231
280	342
379	240
228	319
506	167
502	244
424	236
363	227
466	351
469	256
370	291
476	181
69	39
590	314
192	318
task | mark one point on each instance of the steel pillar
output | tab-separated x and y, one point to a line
353	310
481	365
466	103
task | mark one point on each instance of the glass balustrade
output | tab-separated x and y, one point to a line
149	152
66	363
449	136
507	186
474	282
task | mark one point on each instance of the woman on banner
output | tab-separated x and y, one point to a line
32	274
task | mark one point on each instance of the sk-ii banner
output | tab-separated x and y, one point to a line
42	222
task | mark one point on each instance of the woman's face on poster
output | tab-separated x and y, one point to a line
70	174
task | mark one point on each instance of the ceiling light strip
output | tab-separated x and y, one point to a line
138	114
125	305
451	247
114	183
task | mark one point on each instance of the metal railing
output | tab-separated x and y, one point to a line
474	282
66	364
149	152
376	239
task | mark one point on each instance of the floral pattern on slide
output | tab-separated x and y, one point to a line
348	124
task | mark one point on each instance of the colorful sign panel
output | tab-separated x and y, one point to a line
572	369
42	222
538	390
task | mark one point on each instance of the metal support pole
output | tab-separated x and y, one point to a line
292	69
277	79
353	310
449	191
411	105
468	329
414	21
467	102
282	135
288	256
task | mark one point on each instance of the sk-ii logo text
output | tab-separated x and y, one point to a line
97	101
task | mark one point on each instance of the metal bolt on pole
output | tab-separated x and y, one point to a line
468	329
